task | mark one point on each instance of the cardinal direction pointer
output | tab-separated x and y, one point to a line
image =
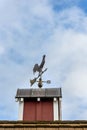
32	81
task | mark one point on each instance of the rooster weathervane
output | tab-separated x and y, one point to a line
39	69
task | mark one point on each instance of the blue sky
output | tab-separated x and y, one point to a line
29	29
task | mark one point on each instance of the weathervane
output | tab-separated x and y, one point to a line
39	69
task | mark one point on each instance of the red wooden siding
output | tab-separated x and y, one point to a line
34	110
38	110
29	111
47	110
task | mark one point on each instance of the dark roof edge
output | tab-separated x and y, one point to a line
53	124
19	95
44	122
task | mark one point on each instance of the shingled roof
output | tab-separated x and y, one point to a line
48	125
40	92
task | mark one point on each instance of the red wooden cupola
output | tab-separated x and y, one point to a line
42	104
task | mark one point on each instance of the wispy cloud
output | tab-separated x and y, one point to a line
29	29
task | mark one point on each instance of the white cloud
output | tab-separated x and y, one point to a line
2	50
67	53
73	17
42	11
32	29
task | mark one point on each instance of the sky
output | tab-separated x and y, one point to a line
28	30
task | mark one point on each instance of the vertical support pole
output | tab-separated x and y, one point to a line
55	109
21	108
59	109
